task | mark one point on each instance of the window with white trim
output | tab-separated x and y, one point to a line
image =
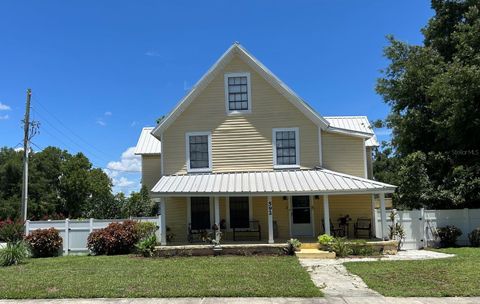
286	150
199	150
237	93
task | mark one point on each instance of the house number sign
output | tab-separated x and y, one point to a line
270	208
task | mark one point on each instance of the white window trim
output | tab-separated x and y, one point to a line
249	92
297	148
187	149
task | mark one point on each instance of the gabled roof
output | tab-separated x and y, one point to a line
299	182
237	49
356	124
148	144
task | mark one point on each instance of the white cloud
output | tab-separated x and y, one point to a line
152	53
128	162
101	122
108	113
125	173
4	107
4	117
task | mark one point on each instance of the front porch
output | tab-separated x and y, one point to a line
267	207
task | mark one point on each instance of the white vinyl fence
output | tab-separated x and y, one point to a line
420	225
75	232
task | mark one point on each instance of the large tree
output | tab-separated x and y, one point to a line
60	184
434	94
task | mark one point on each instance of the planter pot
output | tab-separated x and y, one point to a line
325	247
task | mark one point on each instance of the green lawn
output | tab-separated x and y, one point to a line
457	276
129	276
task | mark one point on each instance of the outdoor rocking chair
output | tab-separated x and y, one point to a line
363	224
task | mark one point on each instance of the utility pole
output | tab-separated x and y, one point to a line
26	148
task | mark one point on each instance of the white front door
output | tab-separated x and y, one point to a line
301	219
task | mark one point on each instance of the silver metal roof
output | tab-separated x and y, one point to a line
147	143
354	123
306	182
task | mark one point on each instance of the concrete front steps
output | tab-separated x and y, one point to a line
311	251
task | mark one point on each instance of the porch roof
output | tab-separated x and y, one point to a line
296	182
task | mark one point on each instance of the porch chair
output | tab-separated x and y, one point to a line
334	231
363	224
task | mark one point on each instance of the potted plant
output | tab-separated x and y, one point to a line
325	242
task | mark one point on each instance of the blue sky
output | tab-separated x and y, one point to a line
100	70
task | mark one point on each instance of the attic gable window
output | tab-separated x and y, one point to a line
238	93
199	151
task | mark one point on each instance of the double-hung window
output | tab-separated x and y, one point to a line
286	150
238	93
239	212
199	151
200	213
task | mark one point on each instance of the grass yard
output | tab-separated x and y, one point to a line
129	276
457	276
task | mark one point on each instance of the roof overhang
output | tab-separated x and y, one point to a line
237	49
148	144
286	182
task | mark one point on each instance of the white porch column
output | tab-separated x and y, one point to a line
163	224
326	214
270	220
217	217
383	215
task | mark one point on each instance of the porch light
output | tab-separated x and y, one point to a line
284	198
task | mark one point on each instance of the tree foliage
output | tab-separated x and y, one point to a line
64	185
434	94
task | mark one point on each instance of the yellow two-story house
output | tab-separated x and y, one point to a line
244	153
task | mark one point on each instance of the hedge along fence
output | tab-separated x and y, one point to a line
75	232
420	225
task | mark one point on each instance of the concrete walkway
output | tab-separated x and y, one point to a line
326	300
335	281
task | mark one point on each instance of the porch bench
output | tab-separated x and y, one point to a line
252	230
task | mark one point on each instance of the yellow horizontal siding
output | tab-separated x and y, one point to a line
151	170
176	217
240	142
343	153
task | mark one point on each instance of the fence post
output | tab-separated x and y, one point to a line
466	215
66	242
422	228
91	225
27	227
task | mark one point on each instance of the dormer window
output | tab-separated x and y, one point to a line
237	93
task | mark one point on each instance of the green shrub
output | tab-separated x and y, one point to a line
448	235
145	229
341	247
361	248
116	238
44	242
474	237
11	231
325	239
292	246
146	246
14	253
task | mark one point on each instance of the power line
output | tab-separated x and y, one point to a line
69	129
94	165
65	135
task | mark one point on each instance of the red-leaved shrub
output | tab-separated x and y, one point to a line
44	242
11	231
116	238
